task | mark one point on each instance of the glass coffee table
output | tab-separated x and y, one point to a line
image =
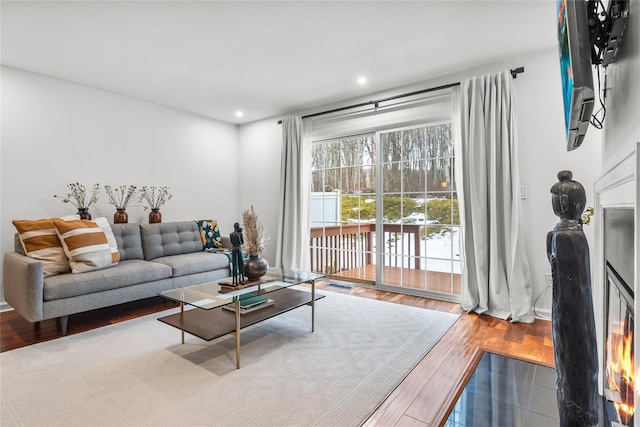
221	310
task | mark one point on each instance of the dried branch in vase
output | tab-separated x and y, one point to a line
254	235
121	196
78	196
155	196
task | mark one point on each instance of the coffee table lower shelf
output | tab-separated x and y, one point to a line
211	324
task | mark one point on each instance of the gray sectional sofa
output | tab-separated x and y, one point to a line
153	258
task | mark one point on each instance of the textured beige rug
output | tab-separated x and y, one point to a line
137	373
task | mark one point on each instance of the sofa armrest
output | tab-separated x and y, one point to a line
22	284
226	242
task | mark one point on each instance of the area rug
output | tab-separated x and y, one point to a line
136	373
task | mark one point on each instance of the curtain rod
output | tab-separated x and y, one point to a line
514	73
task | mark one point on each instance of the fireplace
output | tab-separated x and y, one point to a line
616	267
618	369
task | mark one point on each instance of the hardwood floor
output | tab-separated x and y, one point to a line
425	396
428	280
16	332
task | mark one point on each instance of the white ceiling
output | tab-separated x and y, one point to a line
266	58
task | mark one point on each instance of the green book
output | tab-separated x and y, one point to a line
250	303
251	300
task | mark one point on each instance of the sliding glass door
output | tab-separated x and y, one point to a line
343	207
419	245
384	210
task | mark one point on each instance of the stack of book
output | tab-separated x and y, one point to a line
250	302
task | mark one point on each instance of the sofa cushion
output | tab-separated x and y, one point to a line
128	240
86	245
172	238
126	273
193	263
40	241
210	234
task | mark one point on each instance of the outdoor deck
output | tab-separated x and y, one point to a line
347	252
436	281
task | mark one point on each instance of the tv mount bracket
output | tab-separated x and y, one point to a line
606	28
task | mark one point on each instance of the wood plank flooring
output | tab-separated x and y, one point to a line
16	332
425	396
428	280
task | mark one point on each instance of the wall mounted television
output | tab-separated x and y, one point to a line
575	68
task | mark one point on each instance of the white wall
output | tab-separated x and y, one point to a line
259	152
622	125
543	154
541	140
54	133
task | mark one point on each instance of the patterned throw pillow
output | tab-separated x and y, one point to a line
104	225
86	245
210	234
41	242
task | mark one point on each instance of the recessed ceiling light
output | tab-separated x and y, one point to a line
362	80
239	114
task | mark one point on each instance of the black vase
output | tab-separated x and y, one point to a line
255	267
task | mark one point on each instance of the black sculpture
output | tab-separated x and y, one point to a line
573	323
237	261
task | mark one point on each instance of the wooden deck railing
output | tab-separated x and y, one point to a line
344	247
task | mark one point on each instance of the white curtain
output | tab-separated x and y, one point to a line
293	230
496	279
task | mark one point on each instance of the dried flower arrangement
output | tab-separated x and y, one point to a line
78	196
155	196
255	238
121	196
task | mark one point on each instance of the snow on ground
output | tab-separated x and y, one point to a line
442	252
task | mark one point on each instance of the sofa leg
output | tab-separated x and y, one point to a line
64	321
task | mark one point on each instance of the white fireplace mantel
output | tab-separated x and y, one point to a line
616	188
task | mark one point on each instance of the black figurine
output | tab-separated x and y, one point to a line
237	261
573	323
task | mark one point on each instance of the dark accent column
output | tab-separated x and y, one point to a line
573	323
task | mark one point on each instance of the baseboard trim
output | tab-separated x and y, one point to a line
4	306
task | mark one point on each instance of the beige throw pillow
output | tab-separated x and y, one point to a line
40	241
85	244
104	225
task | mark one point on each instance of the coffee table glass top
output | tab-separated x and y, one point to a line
214	294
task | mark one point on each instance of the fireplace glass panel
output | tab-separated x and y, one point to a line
619	362
618	242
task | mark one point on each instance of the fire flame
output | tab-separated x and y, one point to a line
620	374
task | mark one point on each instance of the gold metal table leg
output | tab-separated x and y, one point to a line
182	319
313	305
238	334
